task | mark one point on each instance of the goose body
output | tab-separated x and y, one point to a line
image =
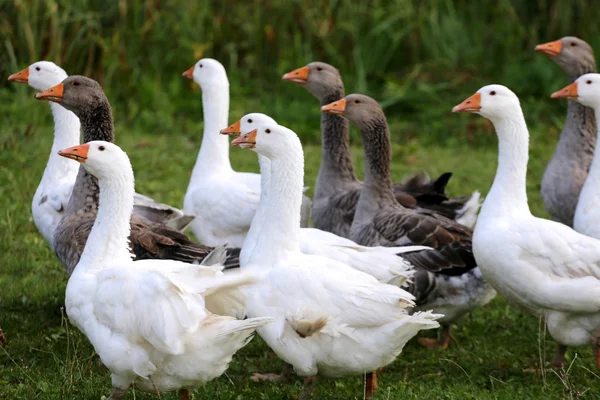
337	189
330	319
446	276
214	185
149	239
157	312
544	266
568	168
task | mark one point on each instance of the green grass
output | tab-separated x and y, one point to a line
47	358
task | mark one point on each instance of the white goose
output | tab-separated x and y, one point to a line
55	188
586	90
54	191
149	320
541	265
214	185
330	319
384	263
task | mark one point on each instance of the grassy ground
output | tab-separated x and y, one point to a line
499	348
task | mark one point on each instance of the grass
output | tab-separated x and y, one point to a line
499	347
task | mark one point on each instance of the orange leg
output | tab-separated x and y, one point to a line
442	342
371	385
558	361
285	375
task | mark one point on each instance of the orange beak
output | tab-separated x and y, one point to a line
77	153
299	76
337	107
189	73
551	48
247	140
20	77
568	92
233	130
55	93
472	104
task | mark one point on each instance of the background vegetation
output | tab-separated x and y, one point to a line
419	58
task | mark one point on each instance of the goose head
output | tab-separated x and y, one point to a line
493	102
40	75
319	78
572	54
269	139
76	93
247	123
101	159
360	109
207	73
585	90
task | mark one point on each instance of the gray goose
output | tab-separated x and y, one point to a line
447	278
567	170
337	188
149	240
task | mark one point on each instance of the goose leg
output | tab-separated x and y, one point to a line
558	361
116	394
596	346
184	394
442	342
3	341
284	376
371	385
309	385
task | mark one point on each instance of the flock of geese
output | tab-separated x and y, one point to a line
383	261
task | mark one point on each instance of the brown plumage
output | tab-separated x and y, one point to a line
149	239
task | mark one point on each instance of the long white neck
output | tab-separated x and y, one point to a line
261	212
66	134
279	236
508	193
213	157
587	214
109	239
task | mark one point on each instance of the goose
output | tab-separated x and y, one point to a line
586	91
447	278
567	170
214	185
544	266
55	188
337	188
330	319
150	320
84	97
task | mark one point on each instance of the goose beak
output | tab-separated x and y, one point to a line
247	141
568	92
299	76
77	153
54	94
551	49
337	107
189	73
20	77
472	104
233	130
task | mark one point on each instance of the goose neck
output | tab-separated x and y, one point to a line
279	236
66	134
97	123
109	239
508	193
213	157
337	169
593	177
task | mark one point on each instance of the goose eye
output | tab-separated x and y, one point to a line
37	68
101	148
250	121
573	44
356	101
268	131
493	92
200	65
588	82
75	83
319	69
